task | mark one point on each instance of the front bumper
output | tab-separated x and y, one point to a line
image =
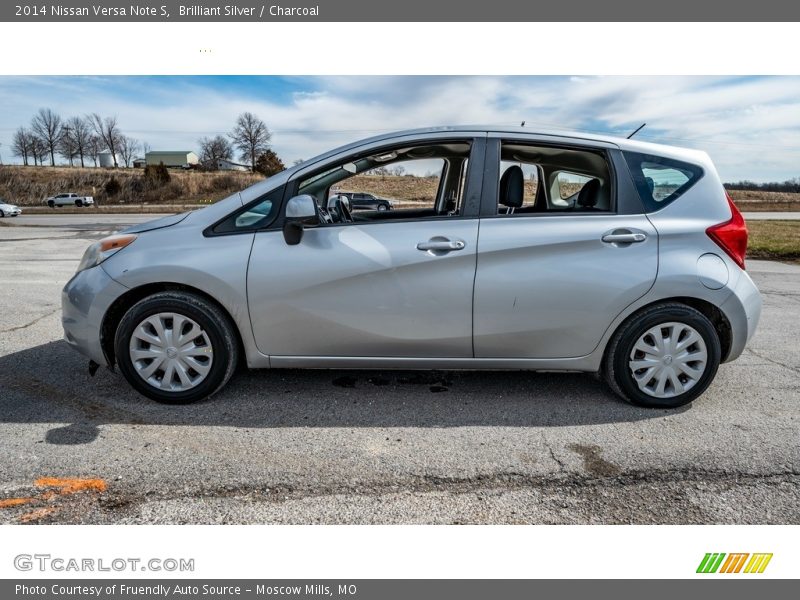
84	302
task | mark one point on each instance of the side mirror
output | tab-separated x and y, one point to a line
301	211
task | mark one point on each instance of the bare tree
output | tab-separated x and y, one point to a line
94	147
79	131
108	131
21	144
38	149
128	147
213	150
46	124
67	148
251	137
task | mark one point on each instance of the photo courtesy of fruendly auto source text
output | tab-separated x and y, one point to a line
416	300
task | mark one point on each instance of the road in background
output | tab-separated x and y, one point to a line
771	216
85	221
289	446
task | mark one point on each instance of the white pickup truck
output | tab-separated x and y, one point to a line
69	199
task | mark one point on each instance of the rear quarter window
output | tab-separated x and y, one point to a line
660	181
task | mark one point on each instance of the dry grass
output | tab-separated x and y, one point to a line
28	186
774	240
765	201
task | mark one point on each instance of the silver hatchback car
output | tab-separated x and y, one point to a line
516	250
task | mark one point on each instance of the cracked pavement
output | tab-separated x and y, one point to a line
383	447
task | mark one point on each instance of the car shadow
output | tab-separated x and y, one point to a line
50	384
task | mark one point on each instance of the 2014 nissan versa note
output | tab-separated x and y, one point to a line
540	251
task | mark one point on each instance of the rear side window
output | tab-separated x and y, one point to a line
659	180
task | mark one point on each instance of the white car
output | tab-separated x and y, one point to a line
69	199
9	210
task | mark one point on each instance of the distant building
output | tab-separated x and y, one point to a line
172	158
228	165
139	163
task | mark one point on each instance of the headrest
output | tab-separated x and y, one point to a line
589	194
512	187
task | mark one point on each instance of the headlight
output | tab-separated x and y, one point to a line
100	251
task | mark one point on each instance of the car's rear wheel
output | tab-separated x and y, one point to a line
51	204
382	207
663	357
176	347
78	203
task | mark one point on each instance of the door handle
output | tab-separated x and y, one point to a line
624	238
441	245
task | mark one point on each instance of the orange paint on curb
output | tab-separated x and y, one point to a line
72	485
37	514
9	502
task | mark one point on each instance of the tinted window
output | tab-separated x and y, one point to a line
660	180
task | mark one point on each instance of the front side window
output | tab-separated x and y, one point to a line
414	182
256	215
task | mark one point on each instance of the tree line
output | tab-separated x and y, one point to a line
788	186
250	137
78	139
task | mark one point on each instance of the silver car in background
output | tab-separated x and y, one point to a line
539	251
9	210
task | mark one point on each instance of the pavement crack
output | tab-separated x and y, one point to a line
34	322
773	361
561	466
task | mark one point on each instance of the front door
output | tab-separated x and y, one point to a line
380	289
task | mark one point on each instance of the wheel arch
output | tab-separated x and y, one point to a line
712	312
121	305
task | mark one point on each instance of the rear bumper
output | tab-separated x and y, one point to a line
84	302
743	311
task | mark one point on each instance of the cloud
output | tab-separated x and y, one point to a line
750	125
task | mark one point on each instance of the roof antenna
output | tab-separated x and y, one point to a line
638	129
522	124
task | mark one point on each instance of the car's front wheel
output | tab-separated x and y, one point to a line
51	204
382	207
663	357
2	215
176	347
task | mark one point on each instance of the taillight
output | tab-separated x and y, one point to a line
731	235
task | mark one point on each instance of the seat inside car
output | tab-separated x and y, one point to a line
589	196
512	188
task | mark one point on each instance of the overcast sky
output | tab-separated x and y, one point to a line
749	125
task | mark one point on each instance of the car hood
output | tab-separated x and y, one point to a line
167	221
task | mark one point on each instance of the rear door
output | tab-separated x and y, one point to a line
549	283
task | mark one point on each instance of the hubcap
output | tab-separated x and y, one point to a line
171	352
668	360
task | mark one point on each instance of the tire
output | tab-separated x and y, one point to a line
382	207
78	203
51	204
676	321
215	325
2	215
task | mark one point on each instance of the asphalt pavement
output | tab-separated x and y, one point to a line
290	446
